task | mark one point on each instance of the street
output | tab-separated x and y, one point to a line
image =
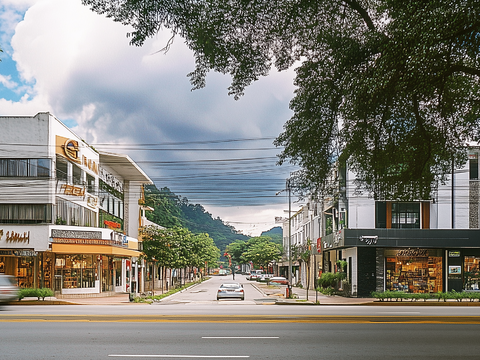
193	325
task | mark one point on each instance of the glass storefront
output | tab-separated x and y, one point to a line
414	270
75	271
471	273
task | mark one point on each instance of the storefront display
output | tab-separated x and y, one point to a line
471	268
414	270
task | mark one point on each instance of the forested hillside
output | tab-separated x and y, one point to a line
276	234
173	210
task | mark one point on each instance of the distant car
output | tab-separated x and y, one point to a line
8	289
278	280
222	272
255	274
231	290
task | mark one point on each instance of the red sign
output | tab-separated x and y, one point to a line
112	224
319	245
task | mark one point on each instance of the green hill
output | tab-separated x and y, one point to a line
173	210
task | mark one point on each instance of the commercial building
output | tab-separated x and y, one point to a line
69	215
417	246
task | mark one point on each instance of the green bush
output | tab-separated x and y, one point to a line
38	293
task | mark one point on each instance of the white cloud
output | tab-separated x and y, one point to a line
81	67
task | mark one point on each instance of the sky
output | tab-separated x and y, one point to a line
59	56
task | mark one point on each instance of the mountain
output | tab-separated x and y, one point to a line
276	234
173	210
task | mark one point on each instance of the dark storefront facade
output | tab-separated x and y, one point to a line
408	260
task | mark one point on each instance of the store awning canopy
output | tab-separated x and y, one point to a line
94	249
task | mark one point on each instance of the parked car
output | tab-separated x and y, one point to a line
278	280
8	289
254	274
231	290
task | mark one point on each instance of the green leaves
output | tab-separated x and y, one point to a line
178	248
391	87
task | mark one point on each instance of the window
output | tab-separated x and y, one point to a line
25	213
381	215
471	271
405	215
69	213
473	169
25	168
62	169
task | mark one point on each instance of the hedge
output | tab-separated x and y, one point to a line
399	295
38	293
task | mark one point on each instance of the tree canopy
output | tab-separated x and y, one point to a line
178	248
259	250
389	86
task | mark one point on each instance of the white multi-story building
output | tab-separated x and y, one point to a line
418	246
69	215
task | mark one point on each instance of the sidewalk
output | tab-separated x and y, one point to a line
119	299
278	294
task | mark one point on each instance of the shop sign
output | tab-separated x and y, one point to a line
6	252
112	224
72	190
71	150
110	180
369	240
14	237
24	253
454	254
413	253
87	241
75	234
92	201
454	270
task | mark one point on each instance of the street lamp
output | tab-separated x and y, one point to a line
288	188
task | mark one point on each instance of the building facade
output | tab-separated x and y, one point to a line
69	215
418	246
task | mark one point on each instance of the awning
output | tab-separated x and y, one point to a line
93	249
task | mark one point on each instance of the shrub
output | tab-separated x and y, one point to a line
38	293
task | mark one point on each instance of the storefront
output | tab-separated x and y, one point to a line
414	270
66	259
86	262
409	260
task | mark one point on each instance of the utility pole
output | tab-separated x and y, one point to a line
289	234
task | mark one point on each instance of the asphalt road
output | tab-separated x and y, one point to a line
66	340
193	325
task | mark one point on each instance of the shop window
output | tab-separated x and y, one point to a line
413	274
471	272
74	271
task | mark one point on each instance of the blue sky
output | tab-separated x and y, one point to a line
62	58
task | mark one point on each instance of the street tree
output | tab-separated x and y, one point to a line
236	249
261	251
391	86
178	248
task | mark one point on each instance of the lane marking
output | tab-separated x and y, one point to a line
240	337
229	319
184	356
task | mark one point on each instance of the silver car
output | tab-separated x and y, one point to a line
8	289
231	290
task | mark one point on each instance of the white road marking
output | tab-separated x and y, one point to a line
240	337
184	356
